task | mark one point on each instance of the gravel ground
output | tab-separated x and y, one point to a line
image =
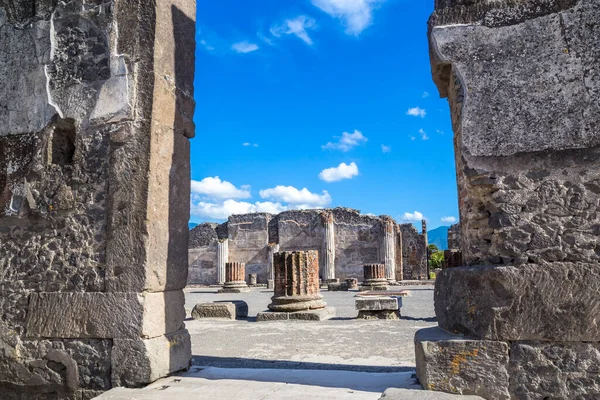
342	343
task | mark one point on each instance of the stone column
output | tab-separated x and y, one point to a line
522	82
296	282
389	248
222	259
235	278
374	277
328	246
273	248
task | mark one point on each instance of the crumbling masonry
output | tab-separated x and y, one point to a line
345	240
96	106
520	319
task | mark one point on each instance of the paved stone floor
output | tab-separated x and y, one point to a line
335	359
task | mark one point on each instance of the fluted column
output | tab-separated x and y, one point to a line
296	282
389	249
273	248
222	258
328	246
235	278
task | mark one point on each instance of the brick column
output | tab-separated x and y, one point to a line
374	277
296	282
235	278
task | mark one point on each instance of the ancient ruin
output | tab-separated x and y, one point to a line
520	318
235	281
345	240
96	107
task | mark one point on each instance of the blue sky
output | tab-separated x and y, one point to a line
319	103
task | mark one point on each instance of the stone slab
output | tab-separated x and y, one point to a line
241	307
223	310
555	301
337	287
369	288
378	314
462	365
378	303
105	315
389	293
412	394
311	315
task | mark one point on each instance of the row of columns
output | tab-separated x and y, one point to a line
328	251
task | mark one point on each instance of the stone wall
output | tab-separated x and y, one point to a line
523	84
414	253
358	240
454	237
96	114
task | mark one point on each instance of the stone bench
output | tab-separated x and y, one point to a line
382	307
231	310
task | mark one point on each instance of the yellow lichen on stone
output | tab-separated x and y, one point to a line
460	358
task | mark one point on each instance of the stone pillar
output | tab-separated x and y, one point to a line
389	248
328	246
296	282
522	82
222	259
95	119
399	256
374	277
273	248
235	278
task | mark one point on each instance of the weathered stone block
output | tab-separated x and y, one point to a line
137	362
308	315
462	365
378	303
554	301
540	370
100	315
241	307
214	310
379	314
337	287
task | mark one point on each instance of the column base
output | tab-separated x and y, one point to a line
308	315
235	287
496	369
297	303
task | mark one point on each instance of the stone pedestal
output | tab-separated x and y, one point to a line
522	82
352	283
235	273
296	286
384	307
252	279
374	277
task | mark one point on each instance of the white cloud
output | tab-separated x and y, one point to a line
347	141
356	15
206	45
244	47
412	217
247	144
342	171
221	211
449	220
215	188
265	39
425	95
296	26
439	131
412	137
423	134
300	198
416	112
385	149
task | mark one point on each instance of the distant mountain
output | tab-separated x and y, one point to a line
439	237
192	225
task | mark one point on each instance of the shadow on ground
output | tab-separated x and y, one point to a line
237	362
